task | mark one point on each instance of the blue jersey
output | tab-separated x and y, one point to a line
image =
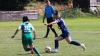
49	11
63	28
61	24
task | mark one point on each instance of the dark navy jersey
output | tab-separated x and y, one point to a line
61	24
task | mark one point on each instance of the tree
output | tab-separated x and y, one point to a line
83	4
8	5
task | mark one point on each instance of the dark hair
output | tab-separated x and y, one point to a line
47	1
56	12
25	18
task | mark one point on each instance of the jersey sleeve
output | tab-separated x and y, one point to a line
53	9
19	27
33	29
57	20
44	8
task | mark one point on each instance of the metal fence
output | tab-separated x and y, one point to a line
17	15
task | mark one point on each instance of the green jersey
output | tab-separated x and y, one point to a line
27	30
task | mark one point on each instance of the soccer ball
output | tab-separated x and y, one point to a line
47	49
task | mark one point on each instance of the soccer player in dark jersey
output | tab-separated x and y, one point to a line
27	35
48	14
65	33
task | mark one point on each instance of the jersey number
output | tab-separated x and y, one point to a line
26	29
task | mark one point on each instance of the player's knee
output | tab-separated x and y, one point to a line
26	49
56	38
52	28
69	42
33	46
48	28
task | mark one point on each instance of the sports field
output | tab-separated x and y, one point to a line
86	30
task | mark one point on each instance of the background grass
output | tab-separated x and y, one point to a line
86	30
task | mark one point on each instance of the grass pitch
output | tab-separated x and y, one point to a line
86	30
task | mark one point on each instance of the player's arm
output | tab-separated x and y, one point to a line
43	17
54	22
53	9
34	32
34	35
15	33
19	28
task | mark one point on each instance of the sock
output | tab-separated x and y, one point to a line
48	30
36	51
56	44
75	43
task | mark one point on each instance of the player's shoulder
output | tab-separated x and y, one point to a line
21	24
30	24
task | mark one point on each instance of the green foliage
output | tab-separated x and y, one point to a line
75	12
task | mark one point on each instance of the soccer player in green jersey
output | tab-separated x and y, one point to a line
28	32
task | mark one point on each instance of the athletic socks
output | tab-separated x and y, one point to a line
36	51
56	44
48	30
75	43
56	35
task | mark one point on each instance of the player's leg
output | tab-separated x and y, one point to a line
36	51
25	45
53	30
57	39
26	48
70	41
33	48
30	44
48	30
51	27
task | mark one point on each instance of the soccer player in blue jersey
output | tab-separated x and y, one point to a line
27	35
48	14
65	33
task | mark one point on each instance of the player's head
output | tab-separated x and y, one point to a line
57	14
48	2
25	19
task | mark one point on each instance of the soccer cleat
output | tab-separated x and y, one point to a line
83	46
54	50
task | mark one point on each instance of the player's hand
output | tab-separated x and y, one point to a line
13	36
34	38
45	24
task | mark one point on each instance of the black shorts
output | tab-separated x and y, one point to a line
49	20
